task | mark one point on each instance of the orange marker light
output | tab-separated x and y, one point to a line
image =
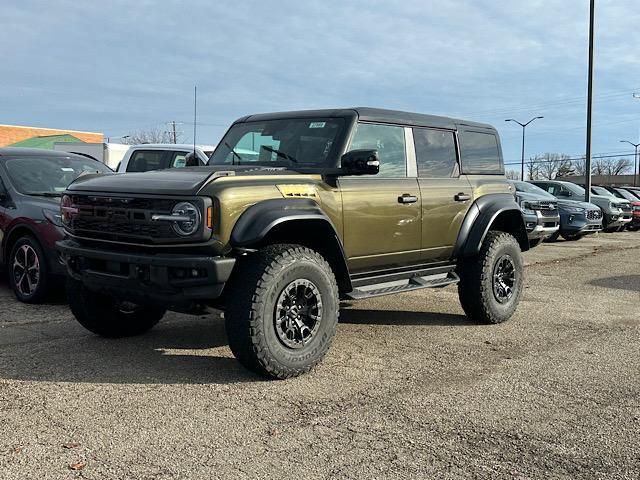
210	217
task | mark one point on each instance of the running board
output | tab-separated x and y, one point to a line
403	285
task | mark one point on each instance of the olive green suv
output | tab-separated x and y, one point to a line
295	212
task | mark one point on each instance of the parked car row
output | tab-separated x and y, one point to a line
554	208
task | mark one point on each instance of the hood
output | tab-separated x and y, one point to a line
577	203
173	181
535	197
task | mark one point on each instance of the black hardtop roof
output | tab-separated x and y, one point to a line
373	115
33	152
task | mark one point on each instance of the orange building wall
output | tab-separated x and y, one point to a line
10	134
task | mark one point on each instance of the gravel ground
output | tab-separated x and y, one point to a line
410	389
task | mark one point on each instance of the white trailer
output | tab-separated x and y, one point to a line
111	154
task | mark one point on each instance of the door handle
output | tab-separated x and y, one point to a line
407	198
461	197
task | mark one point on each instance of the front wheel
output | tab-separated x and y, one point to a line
282	310
491	282
28	274
108	317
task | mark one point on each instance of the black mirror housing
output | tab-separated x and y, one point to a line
361	162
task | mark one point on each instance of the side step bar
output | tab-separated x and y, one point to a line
403	285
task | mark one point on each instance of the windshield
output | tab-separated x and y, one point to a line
572	187
602	191
310	142
49	176
627	195
530	188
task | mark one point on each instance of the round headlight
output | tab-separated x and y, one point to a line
190	221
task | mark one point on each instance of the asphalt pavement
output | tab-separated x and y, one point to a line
410	388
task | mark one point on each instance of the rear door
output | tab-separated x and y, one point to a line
382	213
446	194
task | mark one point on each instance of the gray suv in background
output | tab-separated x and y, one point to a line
613	214
540	211
577	218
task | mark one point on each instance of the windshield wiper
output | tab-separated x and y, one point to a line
279	153
235	154
44	194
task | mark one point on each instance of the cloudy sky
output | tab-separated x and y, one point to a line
122	66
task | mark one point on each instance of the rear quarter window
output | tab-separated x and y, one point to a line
480	153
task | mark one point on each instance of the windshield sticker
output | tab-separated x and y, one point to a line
317	124
67	169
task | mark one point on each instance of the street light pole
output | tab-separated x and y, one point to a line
587	180
524	126
635	160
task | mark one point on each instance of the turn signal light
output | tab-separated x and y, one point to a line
210	217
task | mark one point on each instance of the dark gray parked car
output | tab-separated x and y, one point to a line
612	209
577	218
540	211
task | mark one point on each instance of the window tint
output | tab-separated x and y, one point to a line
480	153
389	141
145	160
435	152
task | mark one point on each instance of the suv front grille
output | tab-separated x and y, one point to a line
122	219
594	214
548	208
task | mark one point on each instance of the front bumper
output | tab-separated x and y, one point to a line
539	225
578	223
165	279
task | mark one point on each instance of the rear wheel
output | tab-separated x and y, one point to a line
491	282
282	310
28	271
108	317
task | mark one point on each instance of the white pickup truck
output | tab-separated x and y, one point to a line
158	156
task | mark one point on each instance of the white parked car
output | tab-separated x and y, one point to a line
158	156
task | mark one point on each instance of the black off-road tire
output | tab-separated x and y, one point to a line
105	316
476	273
258	281
41	289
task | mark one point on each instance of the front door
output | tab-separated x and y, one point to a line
381	213
446	195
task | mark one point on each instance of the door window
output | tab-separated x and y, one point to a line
145	160
389	141
435	153
480	153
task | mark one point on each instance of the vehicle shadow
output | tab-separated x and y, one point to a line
623	282
179	351
394	317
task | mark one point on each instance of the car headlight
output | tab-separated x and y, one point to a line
53	216
527	207
188	218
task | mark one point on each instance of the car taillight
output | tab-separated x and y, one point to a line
67	209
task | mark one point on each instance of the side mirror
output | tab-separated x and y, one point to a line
361	162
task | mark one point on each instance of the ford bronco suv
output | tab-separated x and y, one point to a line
294	212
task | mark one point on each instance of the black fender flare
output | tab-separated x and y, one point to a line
481	216
257	221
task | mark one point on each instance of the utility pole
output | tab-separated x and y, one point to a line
587	177
635	160
524	126
173	130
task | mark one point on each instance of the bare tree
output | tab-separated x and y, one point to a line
618	166
553	165
156	135
512	174
533	168
580	167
